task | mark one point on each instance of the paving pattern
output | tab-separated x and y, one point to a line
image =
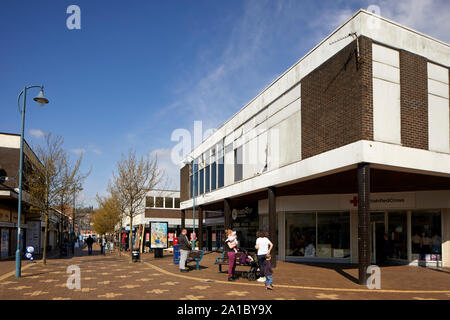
112	277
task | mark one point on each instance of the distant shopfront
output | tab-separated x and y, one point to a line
405	228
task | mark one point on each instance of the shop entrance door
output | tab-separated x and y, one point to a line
377	230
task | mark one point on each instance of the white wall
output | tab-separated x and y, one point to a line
386	94
438	109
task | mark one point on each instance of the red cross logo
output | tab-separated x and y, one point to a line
354	201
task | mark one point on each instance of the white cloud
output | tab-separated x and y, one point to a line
37	133
78	151
172	170
97	151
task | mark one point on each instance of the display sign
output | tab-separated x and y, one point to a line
159	236
171	236
192	237
213	236
147	237
4	242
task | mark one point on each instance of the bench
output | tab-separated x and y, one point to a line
197	256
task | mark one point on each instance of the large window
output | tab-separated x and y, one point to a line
220	173
149	202
177	202
426	235
322	235
169	202
207	177
202	181
238	164
213	176
159	202
397	235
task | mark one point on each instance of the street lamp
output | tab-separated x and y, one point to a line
193	195
41	100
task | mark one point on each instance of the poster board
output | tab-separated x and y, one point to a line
4	242
158	235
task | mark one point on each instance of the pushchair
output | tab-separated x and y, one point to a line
247	259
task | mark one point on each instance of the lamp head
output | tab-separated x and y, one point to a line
40	98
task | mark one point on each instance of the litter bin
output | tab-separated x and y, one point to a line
136	255
176	254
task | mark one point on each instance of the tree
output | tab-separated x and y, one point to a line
44	183
134	177
107	216
70	182
121	205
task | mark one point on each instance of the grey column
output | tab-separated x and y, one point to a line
200	228
273	236
363	221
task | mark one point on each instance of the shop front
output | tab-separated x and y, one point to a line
214	230
405	227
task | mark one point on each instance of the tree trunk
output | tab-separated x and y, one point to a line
44	254
130	238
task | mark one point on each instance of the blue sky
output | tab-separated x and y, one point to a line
137	70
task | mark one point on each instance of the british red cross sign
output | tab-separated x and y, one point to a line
354	201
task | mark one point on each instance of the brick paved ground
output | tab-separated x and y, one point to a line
114	277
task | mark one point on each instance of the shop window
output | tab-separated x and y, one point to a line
395	246
333	235
213	176
191	186
149	202
301	234
169	202
177	202
426	235
196	184
159	202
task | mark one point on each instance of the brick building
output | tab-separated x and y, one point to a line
344	158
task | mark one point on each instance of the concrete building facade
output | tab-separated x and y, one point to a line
343	158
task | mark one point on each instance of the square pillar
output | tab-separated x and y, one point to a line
363	221
200	228
273	236
227	213
445	238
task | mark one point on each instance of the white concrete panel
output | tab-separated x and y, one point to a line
438	88
385	55
284	113
437	73
229	168
9	141
290	139
438	124
385	72
386	111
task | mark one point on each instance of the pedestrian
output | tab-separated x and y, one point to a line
102	244
268	272
89	242
263	245
230	246
185	248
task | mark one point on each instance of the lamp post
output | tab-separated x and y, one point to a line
193	197
42	100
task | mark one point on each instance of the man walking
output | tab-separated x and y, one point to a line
89	242
185	247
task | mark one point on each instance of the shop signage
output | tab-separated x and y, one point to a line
192	237
147	237
381	201
213	236
158	233
213	214
171	236
241	213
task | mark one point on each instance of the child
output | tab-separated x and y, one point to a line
268	272
232	239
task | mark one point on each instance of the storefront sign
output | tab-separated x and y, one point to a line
382	201
22	218
4	242
159	237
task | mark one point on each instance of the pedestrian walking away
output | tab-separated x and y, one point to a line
185	248
230	249
89	242
263	245
268	272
